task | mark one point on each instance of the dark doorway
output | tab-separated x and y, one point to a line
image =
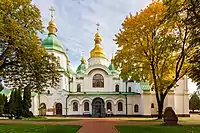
58	109
98	109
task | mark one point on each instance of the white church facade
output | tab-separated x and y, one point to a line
96	88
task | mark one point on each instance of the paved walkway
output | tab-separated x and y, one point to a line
93	125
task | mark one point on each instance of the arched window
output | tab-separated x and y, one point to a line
109	106
98	80
129	89
152	105
116	88
120	106
75	106
48	92
42	109
136	108
58	109
78	88
86	106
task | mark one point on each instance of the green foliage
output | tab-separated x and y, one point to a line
18	103
158	129
6	106
192	20
26	102
31	128
11	104
194	103
2	102
24	62
1	86
154	46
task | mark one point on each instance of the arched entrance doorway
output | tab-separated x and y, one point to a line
58	109
98	109
42	109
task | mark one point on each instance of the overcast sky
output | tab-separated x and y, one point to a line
76	22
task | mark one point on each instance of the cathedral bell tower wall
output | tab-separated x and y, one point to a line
182	97
146	103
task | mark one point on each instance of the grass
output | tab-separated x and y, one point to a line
158	129
29	128
39	118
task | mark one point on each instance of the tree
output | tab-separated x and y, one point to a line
194	102
154	47
18	104
193	22
6	106
23	61
1	86
11	103
26	101
1	104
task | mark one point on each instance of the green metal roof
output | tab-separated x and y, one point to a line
104	93
52	43
81	69
112	68
6	92
34	94
145	86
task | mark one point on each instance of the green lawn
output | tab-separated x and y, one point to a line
51	120
30	128
158	129
47	120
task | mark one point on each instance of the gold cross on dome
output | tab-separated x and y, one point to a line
52	11
98	27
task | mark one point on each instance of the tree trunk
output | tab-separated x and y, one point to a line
160	109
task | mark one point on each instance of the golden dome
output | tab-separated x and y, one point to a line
98	50
52	27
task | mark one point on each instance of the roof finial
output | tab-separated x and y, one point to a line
52	26
52	11
97	35
98	27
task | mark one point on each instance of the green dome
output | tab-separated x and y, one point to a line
145	85
112	68
52	43
81	69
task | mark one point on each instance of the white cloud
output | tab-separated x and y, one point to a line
76	22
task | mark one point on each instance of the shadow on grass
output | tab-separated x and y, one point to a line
143	120
158	129
31	128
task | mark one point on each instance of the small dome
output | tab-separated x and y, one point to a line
52	43
82	67
112	68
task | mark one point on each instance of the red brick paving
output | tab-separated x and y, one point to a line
92	125
98	126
